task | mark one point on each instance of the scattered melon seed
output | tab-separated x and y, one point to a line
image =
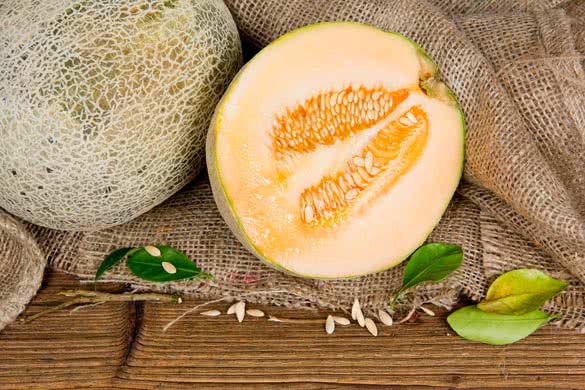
385	318
354	309
371	326
211	313
255	313
360	318
428	311
341	320
329	325
240	310
152	250
169	268
232	308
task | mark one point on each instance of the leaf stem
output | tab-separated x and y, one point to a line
51	310
395	299
98	297
408	316
191	310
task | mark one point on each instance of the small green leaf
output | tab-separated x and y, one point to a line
520	291
150	268
431	263
110	261
493	328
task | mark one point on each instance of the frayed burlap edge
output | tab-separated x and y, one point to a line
21	268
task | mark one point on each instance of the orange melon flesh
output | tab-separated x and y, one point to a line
335	151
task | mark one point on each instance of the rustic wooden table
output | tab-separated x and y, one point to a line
122	346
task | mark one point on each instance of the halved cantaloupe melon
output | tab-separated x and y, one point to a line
335	151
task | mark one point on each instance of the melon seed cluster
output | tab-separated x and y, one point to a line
332	116
392	151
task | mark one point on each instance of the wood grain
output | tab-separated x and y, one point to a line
64	350
122	346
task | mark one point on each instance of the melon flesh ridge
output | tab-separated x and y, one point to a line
369	238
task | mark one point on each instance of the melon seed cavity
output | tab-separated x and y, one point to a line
336	115
389	155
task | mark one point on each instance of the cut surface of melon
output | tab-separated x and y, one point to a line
335	151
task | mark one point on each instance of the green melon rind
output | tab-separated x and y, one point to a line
225	204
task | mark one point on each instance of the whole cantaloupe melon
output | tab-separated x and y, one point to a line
335	151
104	105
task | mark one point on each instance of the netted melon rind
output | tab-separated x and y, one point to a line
104	106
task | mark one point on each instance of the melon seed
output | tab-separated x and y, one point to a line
255	313
385	318
329	325
371	326
152	250
309	214
369	161
341	320
211	313
351	194
169	268
240	310
359	315
411	117
232	308
354	309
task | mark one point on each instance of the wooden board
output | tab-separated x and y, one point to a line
123	346
64	350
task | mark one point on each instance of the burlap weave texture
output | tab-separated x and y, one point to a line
21	268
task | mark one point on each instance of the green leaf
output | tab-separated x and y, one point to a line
520	291
150	268
493	328
431	263
110	261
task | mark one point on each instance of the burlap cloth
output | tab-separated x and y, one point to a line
21	268
517	69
